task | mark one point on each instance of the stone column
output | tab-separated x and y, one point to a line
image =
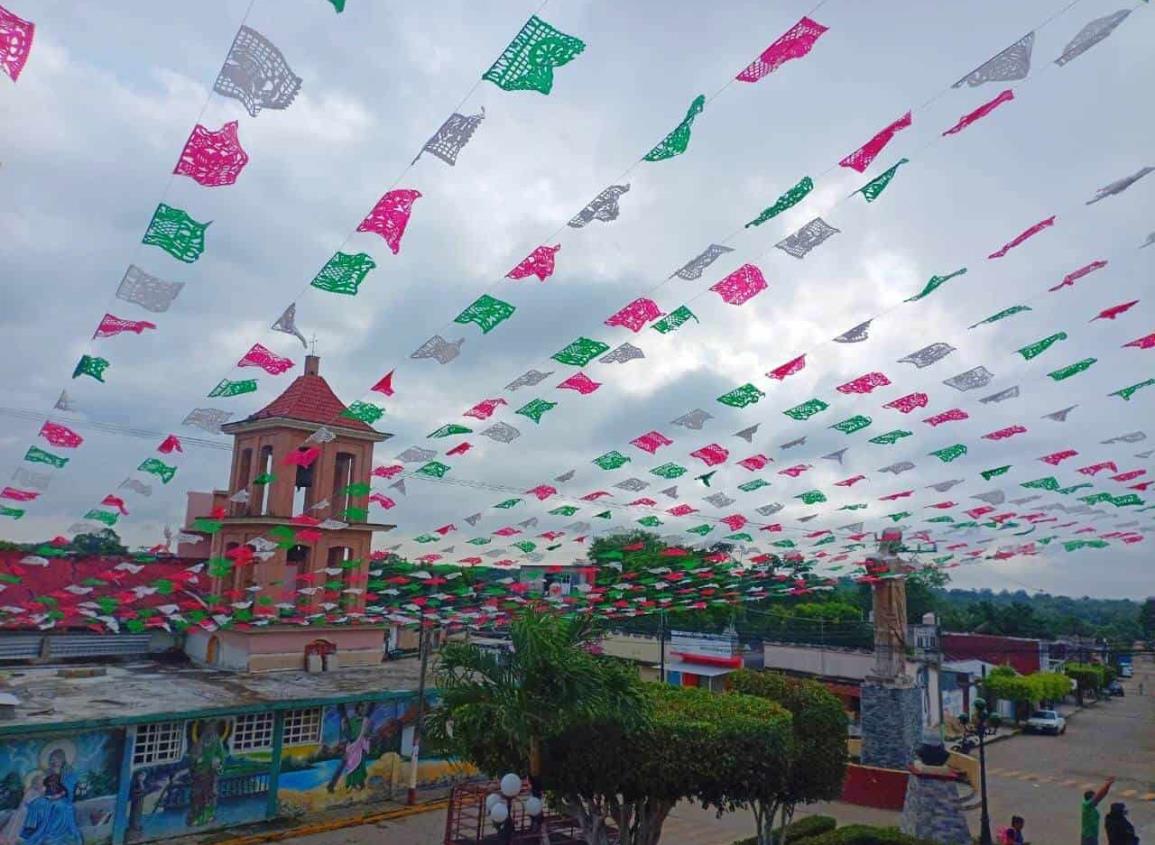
932	810
891	722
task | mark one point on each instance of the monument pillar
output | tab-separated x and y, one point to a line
891	700
933	808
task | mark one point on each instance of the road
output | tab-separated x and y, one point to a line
1041	778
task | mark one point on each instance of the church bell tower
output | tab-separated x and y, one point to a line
300	478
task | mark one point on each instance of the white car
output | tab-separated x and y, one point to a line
1046	722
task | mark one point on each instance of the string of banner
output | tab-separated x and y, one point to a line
714	455
687	139
1029	37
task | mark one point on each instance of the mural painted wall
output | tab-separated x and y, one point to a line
193	776
363	755
59	791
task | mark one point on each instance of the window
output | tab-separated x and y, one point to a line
159	742
303	727
243	480
344	471
340	558
304	474
253	732
259	493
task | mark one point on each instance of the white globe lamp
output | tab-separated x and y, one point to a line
499	812
533	806
510	785
491	800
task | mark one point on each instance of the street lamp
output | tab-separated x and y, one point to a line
499	805
983	718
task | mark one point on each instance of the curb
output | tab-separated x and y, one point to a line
1003	736
335	824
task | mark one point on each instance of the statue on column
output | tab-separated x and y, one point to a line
889	601
891	703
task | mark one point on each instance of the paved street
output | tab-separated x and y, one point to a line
1039	777
1043	778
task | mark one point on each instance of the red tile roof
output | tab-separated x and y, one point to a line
310	399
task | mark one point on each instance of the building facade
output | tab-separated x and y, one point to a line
1024	655
297	463
692	659
843	671
116	781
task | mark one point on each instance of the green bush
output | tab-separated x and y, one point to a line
861	834
804	829
1004	684
1089	676
807	828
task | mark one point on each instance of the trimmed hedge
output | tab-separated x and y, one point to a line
808	827
805	828
861	834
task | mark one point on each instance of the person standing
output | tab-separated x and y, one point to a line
1090	816
1120	831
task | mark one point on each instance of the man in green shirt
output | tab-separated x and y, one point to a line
1090	825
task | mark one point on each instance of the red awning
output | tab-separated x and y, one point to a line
709	659
845	690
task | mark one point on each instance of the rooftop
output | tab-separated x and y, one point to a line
308	399
133	692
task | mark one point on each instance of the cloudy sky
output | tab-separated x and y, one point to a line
95	124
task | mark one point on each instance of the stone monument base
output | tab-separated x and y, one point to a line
932	810
891	723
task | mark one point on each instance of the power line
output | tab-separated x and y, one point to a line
118	428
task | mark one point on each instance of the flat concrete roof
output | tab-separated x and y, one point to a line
151	691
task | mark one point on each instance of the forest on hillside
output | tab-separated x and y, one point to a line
838	615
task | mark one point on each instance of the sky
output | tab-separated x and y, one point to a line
94	126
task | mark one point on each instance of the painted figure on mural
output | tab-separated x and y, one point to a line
207	756
47	811
355	729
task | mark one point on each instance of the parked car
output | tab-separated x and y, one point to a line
1116	689
1125	670
1046	722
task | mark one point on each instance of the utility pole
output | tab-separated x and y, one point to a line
662	646
985	820
938	673
423	647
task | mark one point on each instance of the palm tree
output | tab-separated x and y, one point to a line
496	710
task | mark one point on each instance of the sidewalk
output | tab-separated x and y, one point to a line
426	820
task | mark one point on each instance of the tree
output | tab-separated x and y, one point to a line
1024	690
497	709
612	544
817	762
1041	615
1089	677
1147	619
103	542
696	745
